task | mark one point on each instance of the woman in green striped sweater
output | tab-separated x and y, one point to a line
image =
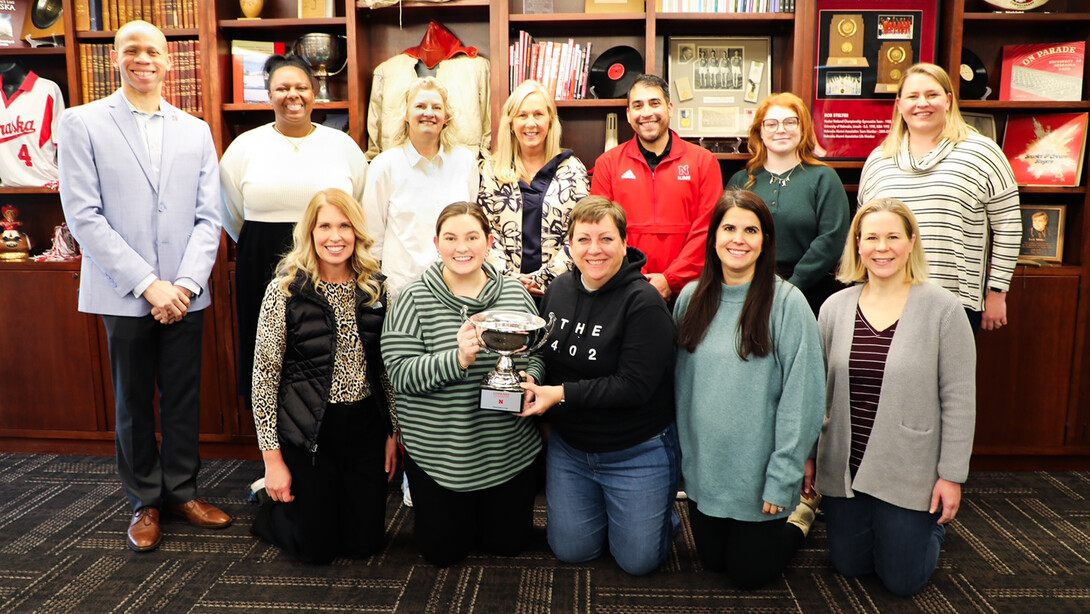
470	469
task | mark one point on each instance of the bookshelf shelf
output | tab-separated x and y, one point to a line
1019	105
26	50
108	35
569	18
268	24
731	17
594	103
1024	19
6	191
236	107
1041	189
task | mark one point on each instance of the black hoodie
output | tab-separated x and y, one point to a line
613	350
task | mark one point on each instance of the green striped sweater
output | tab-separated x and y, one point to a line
459	445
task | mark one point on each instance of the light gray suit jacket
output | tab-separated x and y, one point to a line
128	224
927	409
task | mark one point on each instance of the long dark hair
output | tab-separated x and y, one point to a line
754	328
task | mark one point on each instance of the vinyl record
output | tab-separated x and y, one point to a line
974	77
614	72
1017	5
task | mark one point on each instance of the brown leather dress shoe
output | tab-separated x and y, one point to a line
144	533
201	513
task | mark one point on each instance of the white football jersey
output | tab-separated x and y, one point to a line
28	131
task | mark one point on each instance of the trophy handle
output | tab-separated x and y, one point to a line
545	335
465	318
345	65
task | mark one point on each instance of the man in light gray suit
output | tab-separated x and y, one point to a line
140	190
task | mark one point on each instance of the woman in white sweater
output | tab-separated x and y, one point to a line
267	176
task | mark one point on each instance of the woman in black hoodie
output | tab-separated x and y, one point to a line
613	460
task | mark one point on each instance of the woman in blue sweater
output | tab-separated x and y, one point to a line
750	392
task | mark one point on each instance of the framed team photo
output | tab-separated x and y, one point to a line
716	83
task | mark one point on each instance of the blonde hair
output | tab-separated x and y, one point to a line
955	129
446	135
807	138
507	160
304	257
851	269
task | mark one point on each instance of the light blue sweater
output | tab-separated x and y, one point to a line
746	427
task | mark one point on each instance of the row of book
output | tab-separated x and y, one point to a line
726	6
100	78
561	67
107	15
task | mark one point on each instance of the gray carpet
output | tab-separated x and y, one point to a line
1021	544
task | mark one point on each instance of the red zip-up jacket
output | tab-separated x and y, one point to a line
668	209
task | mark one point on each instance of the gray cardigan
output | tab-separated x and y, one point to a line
927	410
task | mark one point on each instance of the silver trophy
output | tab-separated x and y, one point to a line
322	51
509	334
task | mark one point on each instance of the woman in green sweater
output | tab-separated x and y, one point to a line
750	390
806	198
469	468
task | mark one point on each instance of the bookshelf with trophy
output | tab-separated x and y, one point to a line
1021	78
1039	361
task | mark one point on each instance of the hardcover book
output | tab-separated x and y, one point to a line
1048	71
1046	149
248	59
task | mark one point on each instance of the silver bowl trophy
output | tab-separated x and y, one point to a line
507	333
322	51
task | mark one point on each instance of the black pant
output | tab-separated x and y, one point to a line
340	492
752	554
144	353
449	524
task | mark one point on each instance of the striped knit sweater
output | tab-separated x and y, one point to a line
459	445
961	193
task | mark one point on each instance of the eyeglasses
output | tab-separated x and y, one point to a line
772	125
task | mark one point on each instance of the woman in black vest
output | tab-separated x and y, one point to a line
322	402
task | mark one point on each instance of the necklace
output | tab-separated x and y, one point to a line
294	140
773	178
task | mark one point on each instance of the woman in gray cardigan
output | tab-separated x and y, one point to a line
898	430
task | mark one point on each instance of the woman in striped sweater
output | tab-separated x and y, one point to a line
960	187
470	469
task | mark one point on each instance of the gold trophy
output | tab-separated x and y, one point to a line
509	334
846	41
893	59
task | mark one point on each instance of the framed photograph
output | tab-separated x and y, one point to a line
983	122
716	83
1043	232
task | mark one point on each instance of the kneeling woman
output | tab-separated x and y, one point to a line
613	462
470	469
321	407
898	433
750	393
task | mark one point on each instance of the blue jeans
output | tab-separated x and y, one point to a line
627	496
868	535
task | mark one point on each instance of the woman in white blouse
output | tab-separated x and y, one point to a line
409	185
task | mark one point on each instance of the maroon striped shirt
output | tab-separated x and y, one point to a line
866	366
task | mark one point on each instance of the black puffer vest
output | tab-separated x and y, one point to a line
311	347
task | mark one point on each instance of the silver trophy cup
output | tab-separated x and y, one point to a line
322	51
509	334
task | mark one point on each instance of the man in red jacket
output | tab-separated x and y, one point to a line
668	188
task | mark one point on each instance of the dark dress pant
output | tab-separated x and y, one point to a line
144	354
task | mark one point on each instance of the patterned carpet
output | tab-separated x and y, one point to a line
1020	545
